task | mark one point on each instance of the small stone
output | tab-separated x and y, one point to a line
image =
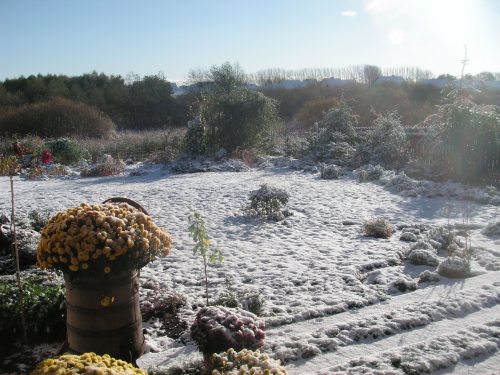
349	222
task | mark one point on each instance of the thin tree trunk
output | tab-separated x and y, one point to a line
18	269
206	277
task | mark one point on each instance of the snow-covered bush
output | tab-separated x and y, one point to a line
252	300
334	142
246	362
195	141
378	228
87	364
267	202
408	237
423	257
330	172
332	147
492	230
107	166
370	172
453	267
386	143
441	237
217	329
463	141
157	302
340	119
428	277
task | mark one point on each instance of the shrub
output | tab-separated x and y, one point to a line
370	173
313	110
38	219
267	202
454	267
107	166
67	151
245	362
157	303
43	306
329	172
87	363
378	228
248	299
465	140
386	143
217	329
340	119
337	136
56	118
232	115
163	304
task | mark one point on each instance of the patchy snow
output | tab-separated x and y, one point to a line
336	301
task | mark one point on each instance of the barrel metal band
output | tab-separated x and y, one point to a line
109	309
106	333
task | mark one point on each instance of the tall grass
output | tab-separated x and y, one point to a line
137	145
160	145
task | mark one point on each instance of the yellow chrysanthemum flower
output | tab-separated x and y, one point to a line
89	237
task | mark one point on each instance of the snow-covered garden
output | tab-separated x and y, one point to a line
334	299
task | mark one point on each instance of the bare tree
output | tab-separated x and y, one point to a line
371	74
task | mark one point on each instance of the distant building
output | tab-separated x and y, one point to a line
337	82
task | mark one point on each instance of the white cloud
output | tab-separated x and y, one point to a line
348	13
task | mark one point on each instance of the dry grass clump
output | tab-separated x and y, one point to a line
378	228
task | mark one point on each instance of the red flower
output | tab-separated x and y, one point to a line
46	157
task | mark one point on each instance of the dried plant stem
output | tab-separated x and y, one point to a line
18	269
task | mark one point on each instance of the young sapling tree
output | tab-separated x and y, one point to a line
203	245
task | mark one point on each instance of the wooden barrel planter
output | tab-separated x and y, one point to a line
105	317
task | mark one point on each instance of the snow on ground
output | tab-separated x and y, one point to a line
333	299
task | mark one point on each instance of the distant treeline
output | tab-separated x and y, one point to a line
147	103
142	104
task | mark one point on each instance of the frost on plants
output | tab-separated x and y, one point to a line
453	267
267	202
252	300
107	166
378	228
370	172
246	362
330	172
217	329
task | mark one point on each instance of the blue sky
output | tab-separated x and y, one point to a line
148	36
